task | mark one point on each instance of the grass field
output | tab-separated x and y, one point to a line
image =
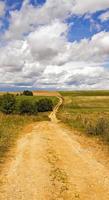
11	126
85	93
86	111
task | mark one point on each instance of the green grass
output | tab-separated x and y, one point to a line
36	98
85	93
83	110
87	104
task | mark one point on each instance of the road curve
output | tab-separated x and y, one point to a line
52	115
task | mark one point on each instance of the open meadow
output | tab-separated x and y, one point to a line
86	111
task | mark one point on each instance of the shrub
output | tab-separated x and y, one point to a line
44	105
27	93
100	127
26	107
8	103
35	108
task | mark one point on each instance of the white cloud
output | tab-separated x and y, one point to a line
96	49
74	75
48	41
22	23
45	59
88	6
104	17
37	53
2	8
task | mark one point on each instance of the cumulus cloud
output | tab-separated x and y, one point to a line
95	49
36	52
46	59
48	41
86	6
22	23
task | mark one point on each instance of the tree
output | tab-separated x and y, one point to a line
27	107
27	93
8	103
44	105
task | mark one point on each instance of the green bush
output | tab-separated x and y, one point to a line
44	105
8	103
27	93
26	107
35	107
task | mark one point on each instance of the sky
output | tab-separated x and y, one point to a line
54	44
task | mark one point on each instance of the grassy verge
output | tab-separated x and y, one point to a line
11	127
87	113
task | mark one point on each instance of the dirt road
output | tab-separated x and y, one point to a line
51	165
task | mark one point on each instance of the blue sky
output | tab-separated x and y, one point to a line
86	28
61	30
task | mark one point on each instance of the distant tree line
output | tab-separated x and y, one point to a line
8	104
27	93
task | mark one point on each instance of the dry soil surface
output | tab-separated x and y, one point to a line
49	164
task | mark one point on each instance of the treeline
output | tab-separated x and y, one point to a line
26	93
9	105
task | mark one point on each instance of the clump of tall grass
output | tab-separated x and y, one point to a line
100	127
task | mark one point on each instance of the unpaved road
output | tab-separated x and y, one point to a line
51	165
